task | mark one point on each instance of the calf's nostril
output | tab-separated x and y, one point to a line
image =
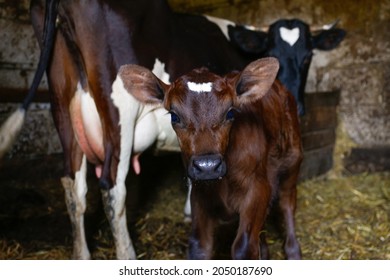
207	164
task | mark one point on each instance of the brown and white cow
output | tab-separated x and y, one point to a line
240	141
83	45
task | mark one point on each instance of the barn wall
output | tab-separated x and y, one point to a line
359	67
19	54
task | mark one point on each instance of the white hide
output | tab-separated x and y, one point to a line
146	129
166	137
290	36
144	124
159	71
222	24
128	108
115	198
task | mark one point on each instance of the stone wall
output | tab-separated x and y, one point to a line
19	54
19	50
359	67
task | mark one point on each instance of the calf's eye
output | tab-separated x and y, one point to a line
174	118
230	115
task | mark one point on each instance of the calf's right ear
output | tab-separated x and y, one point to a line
256	79
142	84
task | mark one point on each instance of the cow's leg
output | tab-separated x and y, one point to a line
74	182
115	208
287	204
246	244
252	217
114	198
62	80
75	198
62	75
264	251
201	239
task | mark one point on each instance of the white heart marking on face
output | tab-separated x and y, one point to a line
290	36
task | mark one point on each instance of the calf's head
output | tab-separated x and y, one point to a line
292	43
203	107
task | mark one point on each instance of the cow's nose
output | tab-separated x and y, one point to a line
206	167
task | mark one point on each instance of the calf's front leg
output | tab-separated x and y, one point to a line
201	238
287	204
252	218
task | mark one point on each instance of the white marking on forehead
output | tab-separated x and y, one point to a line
222	24
290	36
159	71
203	87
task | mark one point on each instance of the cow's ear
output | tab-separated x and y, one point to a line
328	39
256	79
142	84
248	41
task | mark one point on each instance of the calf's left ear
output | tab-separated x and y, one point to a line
142	84
256	79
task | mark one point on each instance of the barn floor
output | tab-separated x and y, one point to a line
339	216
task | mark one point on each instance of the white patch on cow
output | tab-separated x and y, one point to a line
222	24
154	123
159	71
91	119
128	108
202	87
115	197
290	36
167	139
146	129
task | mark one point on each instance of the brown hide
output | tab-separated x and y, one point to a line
240	141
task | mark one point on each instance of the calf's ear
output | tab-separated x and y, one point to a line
142	84
248	41
256	79
328	39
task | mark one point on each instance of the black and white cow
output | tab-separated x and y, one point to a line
292	43
84	43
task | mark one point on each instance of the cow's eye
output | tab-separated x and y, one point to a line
230	115
174	118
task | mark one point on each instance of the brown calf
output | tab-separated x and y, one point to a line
241	145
